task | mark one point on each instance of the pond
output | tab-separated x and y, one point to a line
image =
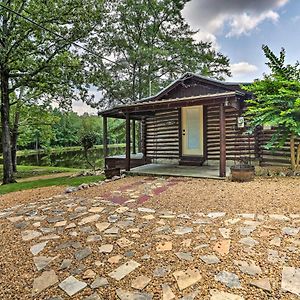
68	159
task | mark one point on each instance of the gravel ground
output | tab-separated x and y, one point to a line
187	196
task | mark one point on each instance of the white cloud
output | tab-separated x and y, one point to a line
242	68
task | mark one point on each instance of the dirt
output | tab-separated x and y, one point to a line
47	176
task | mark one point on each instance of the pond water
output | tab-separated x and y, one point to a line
68	159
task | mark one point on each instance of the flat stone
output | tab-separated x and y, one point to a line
66	263
232	221
102	226
140	282
164	246
115	259
148	217
28	235
96	209
276	217
82	253
180	230
42	262
47	279
291	280
60	224
113	218
123	242
248	268
190	296
71	285
146	210
89	274
231	280
49	237
121	209
125	224
215	215
222	247
290	231
94	296
245	231
93	238
124	295
225	232
167	293
184	256
107	248
99	282
276	241
55	219
274	256
247	216
248	241
219	295
124	270
263	283
112	231
186	243
210	259
36	249
162	271
187	278
15	219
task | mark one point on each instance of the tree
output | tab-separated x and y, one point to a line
277	103
42	56
150	44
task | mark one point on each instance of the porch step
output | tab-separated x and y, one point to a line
191	161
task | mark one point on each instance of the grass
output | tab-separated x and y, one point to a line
30	171
61	181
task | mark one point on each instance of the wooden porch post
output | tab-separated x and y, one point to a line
222	141
133	138
127	163
105	152
143	138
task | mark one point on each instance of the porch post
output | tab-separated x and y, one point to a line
222	141
105	152
127	162
133	138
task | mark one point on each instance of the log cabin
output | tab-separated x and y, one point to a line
195	121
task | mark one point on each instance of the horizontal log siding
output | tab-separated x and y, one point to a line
236	144
162	139
273	157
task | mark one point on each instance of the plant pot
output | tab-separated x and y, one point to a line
242	173
110	173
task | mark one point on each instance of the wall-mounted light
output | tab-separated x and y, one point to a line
240	122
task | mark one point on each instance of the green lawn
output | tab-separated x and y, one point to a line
66	181
30	171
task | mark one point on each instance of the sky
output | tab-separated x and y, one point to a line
238	29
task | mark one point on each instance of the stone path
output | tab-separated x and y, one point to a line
99	249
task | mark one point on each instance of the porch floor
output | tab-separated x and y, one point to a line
176	170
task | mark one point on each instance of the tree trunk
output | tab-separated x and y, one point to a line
292	151
298	157
14	138
8	176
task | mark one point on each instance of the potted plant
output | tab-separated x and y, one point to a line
242	171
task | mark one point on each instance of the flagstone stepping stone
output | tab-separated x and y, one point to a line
290	231
93	238
274	256
124	270
232	221
210	259
291	280
96	209
190	296
252	223
72	286
107	248
15	219
125	224
248	268
225	232
66	263
115	259
183	230
184	256
276	217
215	215
123	242
167	293
146	257
263	283
247	230
55	219
186	243
247	216
94	296
49	237
113	218
124	295
41	262
99	282
276	241
222	247
148	217
121	209
28	235
60	224
36	249
21	225
162	271
102	226
89	274
248	241
112	231
140	282
47	279
164	246
202	221
201	246
36	224
166	229
82	253
231	280
187	278
219	295
146	210
47	230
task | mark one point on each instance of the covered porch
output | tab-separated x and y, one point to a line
169	129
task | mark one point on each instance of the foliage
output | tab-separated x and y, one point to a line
150	44
277	102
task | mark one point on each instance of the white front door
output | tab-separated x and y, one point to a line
192	131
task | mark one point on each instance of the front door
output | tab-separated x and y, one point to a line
192	131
